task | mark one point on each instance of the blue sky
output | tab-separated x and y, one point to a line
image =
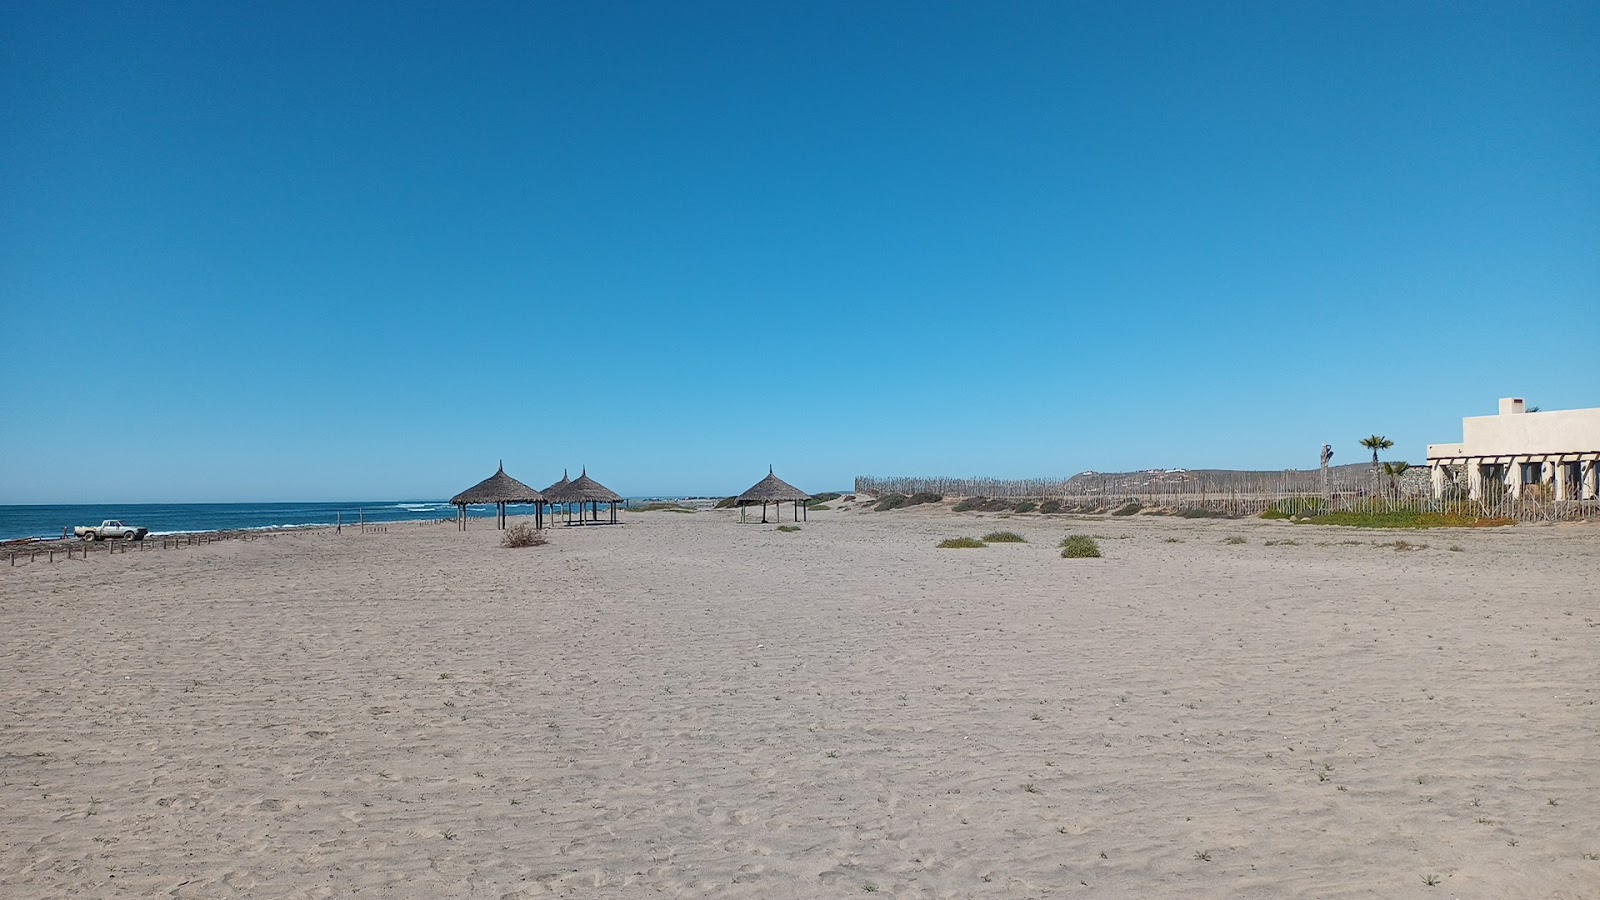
323	251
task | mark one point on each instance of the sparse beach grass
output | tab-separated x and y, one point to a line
960	543
1379	516
1004	537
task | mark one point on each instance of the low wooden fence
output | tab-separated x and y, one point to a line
1296	492
25	552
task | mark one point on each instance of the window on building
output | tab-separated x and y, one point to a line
1492	472
1532	473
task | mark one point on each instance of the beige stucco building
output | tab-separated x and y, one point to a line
1517	453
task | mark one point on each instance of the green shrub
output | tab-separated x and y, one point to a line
890	501
786	529
1128	509
1377	516
1202	512
1050	506
523	535
825	497
996	505
969	504
1004	537
1025	506
960	543
1271	513
1079	546
924	497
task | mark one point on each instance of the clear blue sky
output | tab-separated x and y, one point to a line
285	251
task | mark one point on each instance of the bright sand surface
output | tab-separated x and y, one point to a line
686	706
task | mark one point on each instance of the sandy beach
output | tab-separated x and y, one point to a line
687	706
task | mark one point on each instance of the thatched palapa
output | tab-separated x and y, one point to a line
585	490
498	489
773	489
555	492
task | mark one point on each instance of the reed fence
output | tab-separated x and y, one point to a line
1294	491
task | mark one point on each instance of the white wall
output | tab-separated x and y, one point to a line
1557	431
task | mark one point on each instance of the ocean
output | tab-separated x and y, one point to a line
178	518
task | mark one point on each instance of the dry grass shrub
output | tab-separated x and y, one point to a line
524	535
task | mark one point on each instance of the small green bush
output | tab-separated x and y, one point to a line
1025	506
787	529
969	504
924	497
996	505
523	535
890	501
1050	506
960	543
1271	513
1202	512
1128	509
1004	537
1079	546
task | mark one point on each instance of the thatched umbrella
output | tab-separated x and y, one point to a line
556	493
498	489
773	489
583	490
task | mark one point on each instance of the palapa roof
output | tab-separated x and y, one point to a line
497	488
584	489
556	493
771	489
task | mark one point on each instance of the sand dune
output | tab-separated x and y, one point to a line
686	706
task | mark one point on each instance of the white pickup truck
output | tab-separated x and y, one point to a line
110	528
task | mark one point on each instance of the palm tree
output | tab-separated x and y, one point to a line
1375	443
1394	470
